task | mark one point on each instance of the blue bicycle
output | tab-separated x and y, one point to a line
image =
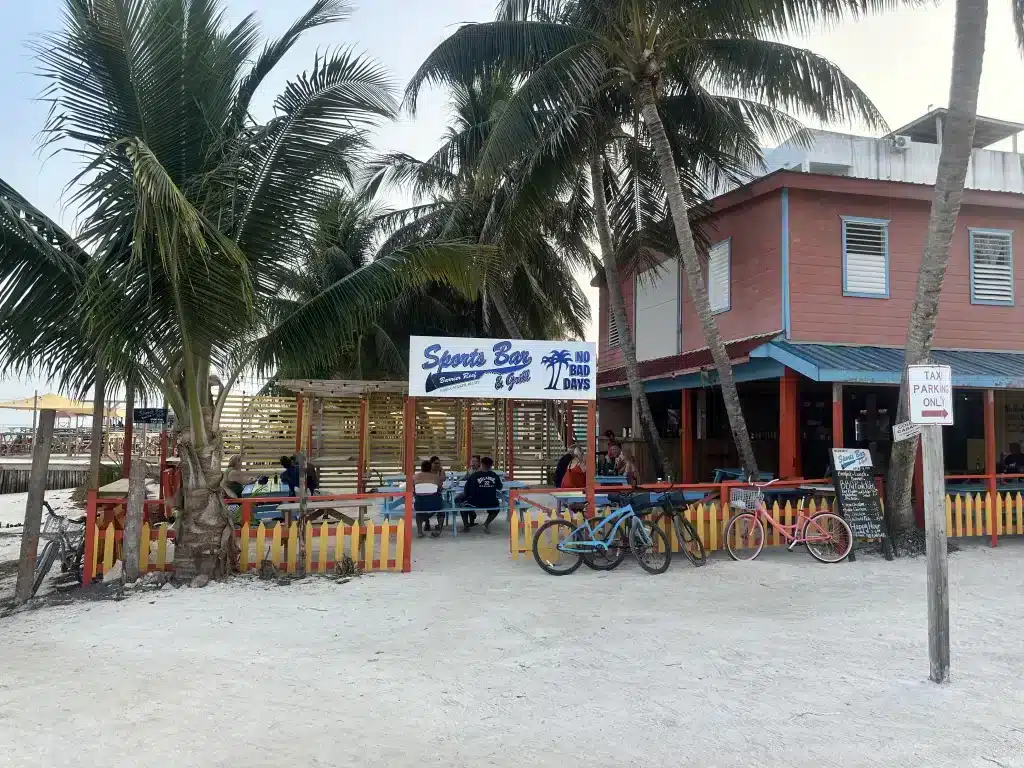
560	547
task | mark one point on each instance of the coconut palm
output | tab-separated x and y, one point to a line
536	224
718	59
198	214
954	157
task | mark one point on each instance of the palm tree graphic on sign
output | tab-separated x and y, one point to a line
555	362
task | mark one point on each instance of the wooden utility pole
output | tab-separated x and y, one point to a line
133	518
935	537
34	505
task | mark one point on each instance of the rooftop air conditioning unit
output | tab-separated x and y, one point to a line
900	143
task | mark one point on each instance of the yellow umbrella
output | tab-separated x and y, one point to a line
63	405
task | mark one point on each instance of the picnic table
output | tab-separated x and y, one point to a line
396	504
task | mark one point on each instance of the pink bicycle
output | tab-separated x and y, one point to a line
826	535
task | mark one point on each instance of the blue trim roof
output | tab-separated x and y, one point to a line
883	365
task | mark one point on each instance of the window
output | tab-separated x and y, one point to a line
719	276
656	318
866	257
613	330
991	266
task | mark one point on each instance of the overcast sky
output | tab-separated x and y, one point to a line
901	60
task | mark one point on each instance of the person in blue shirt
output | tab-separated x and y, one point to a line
482	492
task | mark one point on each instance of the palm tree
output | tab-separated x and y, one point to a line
198	215
574	52
536	224
957	140
558	359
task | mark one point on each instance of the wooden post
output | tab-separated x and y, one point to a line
789	425
133	519
129	431
918	480
990	461
686	442
34	505
364	428
299	404
468	432
510	470
409	462
591	456
89	556
570	428
935	538
838	438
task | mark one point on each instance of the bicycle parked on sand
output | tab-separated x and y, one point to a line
66	541
826	535
560	547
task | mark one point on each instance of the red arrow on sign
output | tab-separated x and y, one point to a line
935	414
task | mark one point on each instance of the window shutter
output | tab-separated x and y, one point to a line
991	267
719	277
866	257
613	330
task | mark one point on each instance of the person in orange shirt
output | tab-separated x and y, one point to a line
576	473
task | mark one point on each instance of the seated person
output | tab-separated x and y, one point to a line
1013	462
312	479
425	504
482	492
290	476
576	472
474	465
235	479
613	462
562	466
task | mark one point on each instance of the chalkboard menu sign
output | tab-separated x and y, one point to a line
857	498
149	415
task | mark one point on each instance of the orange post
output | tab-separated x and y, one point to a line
409	463
838	438
591	456
686	443
789	426
990	459
364	424
89	557
298	423
510	450
468	431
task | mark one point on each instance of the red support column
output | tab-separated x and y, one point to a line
510	451
591	457
789	425
409	464
364	422
686	442
990	461
299	403
838	438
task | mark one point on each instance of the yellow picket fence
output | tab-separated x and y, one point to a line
977	515
371	547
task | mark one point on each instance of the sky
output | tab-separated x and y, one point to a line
901	59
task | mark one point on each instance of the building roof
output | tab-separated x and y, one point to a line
884	365
343	387
987	130
688	362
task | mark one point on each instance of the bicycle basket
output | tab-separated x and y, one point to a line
639	501
746	499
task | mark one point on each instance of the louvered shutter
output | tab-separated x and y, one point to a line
613	330
866	257
991	267
719	277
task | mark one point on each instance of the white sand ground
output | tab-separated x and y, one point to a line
476	660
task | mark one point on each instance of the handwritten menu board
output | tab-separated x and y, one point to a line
859	503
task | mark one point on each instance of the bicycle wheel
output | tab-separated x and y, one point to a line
828	537
611	558
689	540
744	536
546	551
43	564
650	546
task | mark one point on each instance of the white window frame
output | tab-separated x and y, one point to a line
884	224
728	276
971	232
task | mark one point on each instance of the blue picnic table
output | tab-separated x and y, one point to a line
396	505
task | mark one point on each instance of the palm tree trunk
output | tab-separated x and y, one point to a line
957	139
618	308
695	278
511	327
96	449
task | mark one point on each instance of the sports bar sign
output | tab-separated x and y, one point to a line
502	368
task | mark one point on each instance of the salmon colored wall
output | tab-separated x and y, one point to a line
819	311
612	358
755	228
